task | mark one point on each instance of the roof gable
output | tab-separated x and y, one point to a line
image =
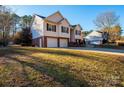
79	26
76	26
65	21
55	17
95	33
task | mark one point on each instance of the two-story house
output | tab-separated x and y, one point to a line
53	31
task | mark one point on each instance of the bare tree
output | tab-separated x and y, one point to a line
5	23
106	21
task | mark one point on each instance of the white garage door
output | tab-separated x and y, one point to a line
52	42
63	43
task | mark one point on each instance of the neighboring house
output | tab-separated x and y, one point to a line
75	33
53	31
96	38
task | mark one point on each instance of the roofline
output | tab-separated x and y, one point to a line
64	19
45	19
76	26
54	14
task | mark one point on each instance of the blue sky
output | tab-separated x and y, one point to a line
76	14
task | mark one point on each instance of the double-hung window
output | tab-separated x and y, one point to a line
64	29
77	32
51	27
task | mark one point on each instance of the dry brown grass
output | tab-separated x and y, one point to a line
27	66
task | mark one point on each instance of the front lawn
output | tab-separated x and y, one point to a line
27	66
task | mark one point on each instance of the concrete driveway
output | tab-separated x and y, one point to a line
100	50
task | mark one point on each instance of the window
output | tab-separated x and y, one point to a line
77	32
64	29
51	27
54	28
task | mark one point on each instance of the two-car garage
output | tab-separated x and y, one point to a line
53	42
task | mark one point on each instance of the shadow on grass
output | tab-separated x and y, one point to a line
27	51
60	74
10	50
65	53
26	77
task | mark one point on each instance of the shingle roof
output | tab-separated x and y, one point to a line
73	26
51	15
40	16
61	20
